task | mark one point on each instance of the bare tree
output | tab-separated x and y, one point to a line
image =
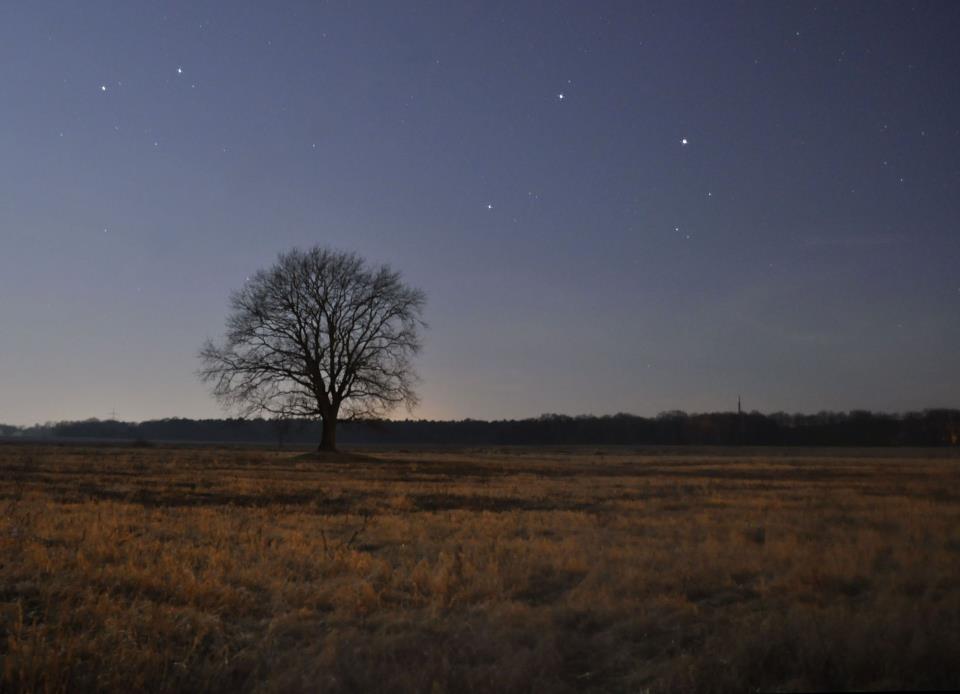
319	334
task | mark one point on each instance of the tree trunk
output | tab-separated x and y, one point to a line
328	440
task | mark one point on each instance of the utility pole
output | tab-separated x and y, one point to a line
739	421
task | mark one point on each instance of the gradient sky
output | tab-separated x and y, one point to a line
523	163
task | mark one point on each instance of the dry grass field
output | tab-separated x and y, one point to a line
175	569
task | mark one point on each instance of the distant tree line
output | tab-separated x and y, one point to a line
934	427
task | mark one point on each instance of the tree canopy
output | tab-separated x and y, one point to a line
320	334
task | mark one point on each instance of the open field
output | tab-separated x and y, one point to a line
170	569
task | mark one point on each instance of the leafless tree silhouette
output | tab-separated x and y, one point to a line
319	334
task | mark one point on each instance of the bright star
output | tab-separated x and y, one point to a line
683	141
103	87
490	206
560	96
179	70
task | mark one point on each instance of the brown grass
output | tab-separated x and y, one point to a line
170	569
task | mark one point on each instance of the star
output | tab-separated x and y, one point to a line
490	206
684	141
179	70
561	96
103	87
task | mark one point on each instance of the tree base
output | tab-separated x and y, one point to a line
321	456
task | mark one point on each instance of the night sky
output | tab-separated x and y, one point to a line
611	206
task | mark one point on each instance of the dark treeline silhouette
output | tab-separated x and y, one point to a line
934	427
